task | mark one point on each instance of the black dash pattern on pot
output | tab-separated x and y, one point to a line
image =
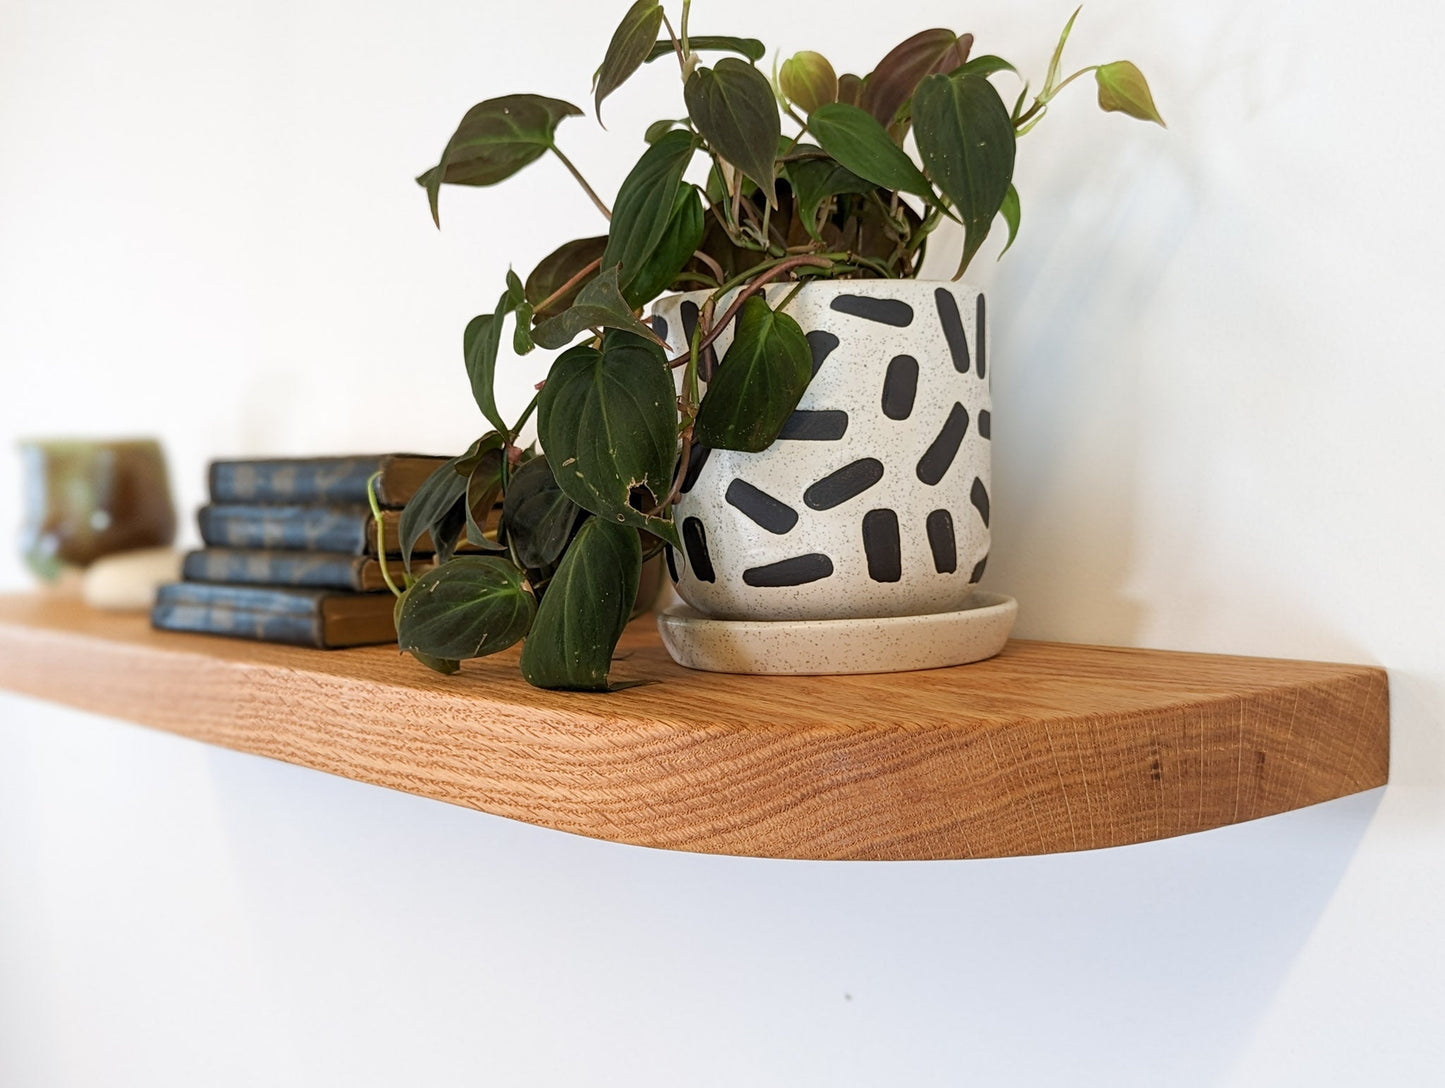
847	482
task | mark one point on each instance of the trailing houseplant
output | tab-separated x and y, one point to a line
763	185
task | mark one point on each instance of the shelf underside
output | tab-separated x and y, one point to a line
1047	747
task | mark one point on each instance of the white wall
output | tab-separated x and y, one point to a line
1218	390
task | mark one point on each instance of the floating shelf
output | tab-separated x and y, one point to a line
1047	747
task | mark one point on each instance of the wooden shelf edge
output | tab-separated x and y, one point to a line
1046	748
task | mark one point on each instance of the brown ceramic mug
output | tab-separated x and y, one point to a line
85	499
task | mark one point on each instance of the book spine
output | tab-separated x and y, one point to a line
296	528
320	480
261	617
264	568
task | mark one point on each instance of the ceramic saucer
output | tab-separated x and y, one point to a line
823	647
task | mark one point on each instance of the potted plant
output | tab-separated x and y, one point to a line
793	365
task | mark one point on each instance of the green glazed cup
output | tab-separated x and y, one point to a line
86	499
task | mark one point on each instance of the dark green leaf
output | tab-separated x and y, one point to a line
445	666
1123	89
892	83
477	452
584	609
481	341
484	487
658	129
555	269
537	516
967	142
734	109
470	606
1051	81
673	251
608	424
808	80
516	293
644	206
759	382
599	305
860	143
435	504
751	48
985	65
814	180
496	139
631	42
1011	213
522	333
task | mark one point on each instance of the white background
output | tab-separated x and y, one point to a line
1219	392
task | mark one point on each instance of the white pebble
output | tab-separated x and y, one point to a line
127	582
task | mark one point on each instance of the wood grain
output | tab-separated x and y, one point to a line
1046	747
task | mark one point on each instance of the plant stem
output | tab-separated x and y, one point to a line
573	282
526	414
713	266
1076	75
779	267
601	207
676	45
380	533
1022	123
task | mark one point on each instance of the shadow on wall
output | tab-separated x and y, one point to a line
417	941
1066	389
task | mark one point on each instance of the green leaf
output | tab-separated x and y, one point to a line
860	143
608	424
481	341
599	305
496	139
470	606
733	107
522	334
967	142
585	608
1011	213
892	83
631	42
537	516
673	250
443	665
436	505
808	81
516	293
644	206
985	65
1051	81
1123	89
484	487
751	48
814	180
759	382
555	269
658	129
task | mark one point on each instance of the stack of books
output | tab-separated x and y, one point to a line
292	554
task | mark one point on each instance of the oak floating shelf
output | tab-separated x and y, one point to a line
1047	747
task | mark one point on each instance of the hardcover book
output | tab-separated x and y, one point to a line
299	617
318	570
326	481
348	530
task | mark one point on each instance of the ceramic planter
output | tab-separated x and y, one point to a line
874	501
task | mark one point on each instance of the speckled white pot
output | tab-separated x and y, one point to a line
874	501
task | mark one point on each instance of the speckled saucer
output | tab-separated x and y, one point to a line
824	647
